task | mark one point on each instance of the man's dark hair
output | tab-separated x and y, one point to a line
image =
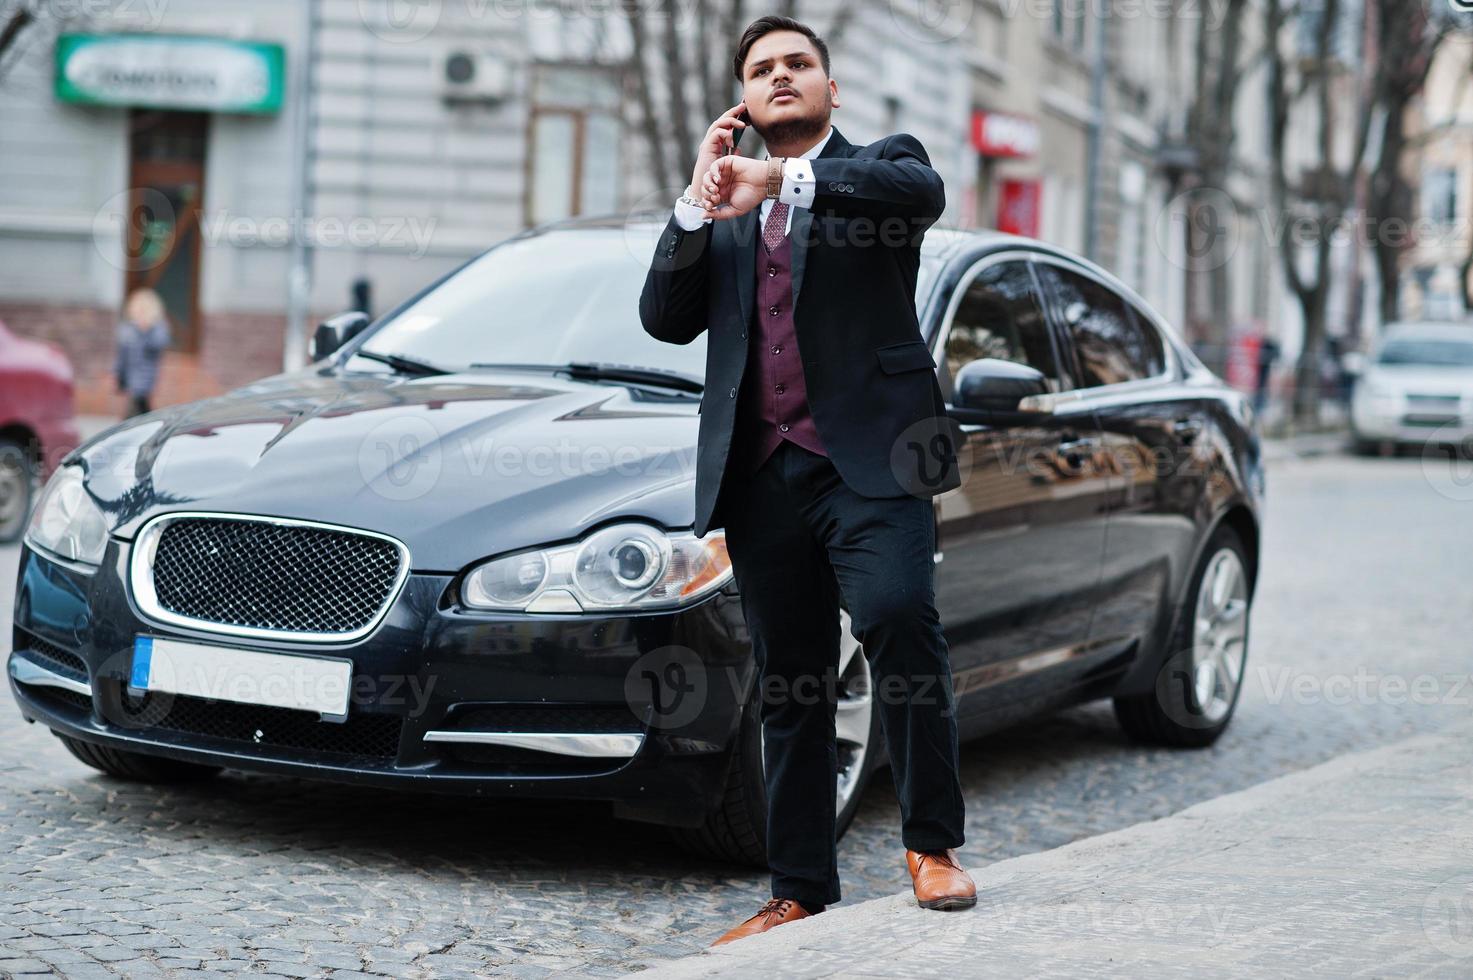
766	25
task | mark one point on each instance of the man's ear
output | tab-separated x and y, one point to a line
833	93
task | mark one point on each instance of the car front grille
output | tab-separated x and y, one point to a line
262	576
363	736
49	655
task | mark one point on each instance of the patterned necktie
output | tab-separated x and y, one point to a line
775	229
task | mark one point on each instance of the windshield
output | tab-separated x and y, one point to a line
567	295
1447	353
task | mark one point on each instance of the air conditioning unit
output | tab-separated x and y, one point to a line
467	75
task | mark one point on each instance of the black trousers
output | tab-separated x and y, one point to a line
799	539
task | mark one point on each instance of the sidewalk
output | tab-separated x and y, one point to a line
1362	866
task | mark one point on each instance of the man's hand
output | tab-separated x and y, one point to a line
733	186
715	143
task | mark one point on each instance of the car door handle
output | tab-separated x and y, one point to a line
1186	429
1075	450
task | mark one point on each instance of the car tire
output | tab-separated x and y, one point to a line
136	766
17	490
1175	713
735	829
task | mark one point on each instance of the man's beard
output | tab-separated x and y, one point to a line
804	129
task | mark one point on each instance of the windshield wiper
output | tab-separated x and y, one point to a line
402	364
603	371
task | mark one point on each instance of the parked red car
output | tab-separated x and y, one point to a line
37	425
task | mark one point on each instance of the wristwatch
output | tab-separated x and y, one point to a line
775	176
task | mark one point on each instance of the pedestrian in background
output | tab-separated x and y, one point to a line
142	336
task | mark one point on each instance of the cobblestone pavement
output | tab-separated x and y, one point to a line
1364	603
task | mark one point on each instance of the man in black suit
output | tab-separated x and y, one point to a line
823	437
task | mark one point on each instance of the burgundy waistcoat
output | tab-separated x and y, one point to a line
773	403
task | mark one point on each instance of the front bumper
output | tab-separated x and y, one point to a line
1396	420
429	685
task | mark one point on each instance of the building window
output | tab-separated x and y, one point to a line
1440	195
573	145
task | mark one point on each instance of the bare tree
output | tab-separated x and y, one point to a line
1321	194
1409	40
669	129
649	120
1210	135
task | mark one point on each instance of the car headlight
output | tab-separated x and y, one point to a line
1376	388
66	522
623	566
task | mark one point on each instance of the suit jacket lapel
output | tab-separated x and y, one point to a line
744	233
837	146
745	230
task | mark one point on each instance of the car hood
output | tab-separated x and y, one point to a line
457	466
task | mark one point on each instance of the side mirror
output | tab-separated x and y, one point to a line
991	384
1353	363
335	332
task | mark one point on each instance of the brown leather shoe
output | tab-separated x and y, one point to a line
939	881
773	914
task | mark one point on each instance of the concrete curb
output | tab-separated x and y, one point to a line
1162	897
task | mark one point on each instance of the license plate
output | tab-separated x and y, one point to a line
320	684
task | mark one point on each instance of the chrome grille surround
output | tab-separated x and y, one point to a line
374	547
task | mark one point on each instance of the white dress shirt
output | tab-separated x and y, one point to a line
797	190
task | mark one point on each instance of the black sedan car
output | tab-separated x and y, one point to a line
455	552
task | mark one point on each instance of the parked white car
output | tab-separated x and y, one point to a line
1416	387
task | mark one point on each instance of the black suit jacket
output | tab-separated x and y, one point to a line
870	379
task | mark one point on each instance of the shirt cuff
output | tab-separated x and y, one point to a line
798	182
690	216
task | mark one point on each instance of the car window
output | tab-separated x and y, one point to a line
1113	346
1000	315
1427	351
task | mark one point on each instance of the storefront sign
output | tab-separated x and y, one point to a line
997	134
164	71
1017	207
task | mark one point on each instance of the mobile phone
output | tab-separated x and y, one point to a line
736	132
